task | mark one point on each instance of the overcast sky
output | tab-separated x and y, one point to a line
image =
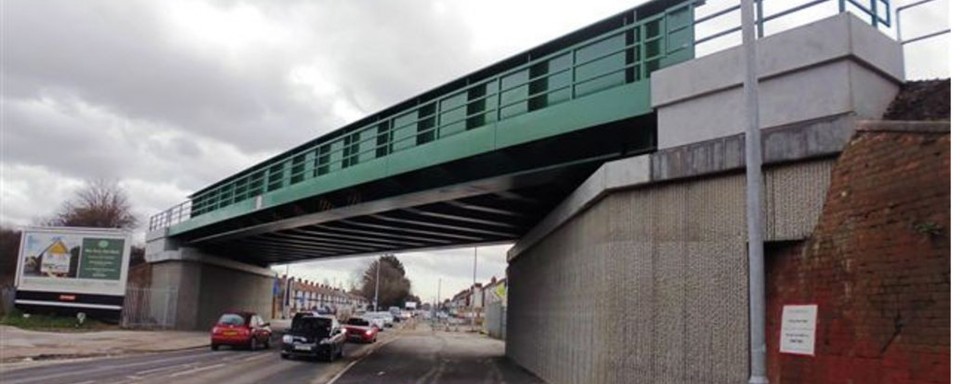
168	97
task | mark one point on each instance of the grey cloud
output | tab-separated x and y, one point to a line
118	58
122	58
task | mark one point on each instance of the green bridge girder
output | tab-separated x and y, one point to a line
514	131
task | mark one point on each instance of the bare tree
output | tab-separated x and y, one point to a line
394	285
99	204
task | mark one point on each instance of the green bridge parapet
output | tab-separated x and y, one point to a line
596	75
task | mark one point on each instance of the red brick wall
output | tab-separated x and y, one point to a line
877	266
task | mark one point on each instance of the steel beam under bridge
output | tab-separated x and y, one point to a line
490	199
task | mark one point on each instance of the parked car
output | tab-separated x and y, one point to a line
387	317
375	320
361	329
315	336
240	329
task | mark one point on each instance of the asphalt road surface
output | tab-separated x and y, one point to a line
400	356
437	357
235	366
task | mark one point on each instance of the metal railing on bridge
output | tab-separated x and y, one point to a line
626	54
616	57
720	19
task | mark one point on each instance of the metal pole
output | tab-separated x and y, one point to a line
473	296
376	290
436	310
286	294
754	162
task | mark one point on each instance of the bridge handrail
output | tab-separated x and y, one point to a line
568	72
873	11
916	38
170	217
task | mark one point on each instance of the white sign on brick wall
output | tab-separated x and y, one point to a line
798	329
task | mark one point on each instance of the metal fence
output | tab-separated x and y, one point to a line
150	308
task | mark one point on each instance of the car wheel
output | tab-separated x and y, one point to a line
253	343
285	356
266	343
333	355
340	352
214	347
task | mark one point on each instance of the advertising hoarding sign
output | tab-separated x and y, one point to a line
84	268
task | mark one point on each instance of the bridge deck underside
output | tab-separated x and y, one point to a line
494	198
485	219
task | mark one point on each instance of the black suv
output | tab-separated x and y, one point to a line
314	335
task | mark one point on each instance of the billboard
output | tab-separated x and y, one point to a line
73	268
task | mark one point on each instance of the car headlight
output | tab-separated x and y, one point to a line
287	339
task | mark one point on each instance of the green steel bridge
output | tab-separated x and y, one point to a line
478	160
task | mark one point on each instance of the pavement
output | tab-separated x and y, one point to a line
18	345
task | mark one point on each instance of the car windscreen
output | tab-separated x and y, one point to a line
312	325
231	319
358	321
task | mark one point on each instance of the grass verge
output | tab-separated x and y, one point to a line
51	322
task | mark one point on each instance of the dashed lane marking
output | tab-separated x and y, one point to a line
195	370
161	369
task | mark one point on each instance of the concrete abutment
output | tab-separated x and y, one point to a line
206	284
640	275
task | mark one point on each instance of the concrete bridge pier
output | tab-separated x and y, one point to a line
206	284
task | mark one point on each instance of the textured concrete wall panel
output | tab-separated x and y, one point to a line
649	285
794	199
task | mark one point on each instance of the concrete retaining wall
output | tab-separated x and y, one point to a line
648	285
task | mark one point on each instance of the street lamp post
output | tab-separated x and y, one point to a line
755	231
376	290
436	308
473	295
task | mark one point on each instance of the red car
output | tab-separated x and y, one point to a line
360	329
240	329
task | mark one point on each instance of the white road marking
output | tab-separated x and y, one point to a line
370	352
256	357
44	378
169	367
195	370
